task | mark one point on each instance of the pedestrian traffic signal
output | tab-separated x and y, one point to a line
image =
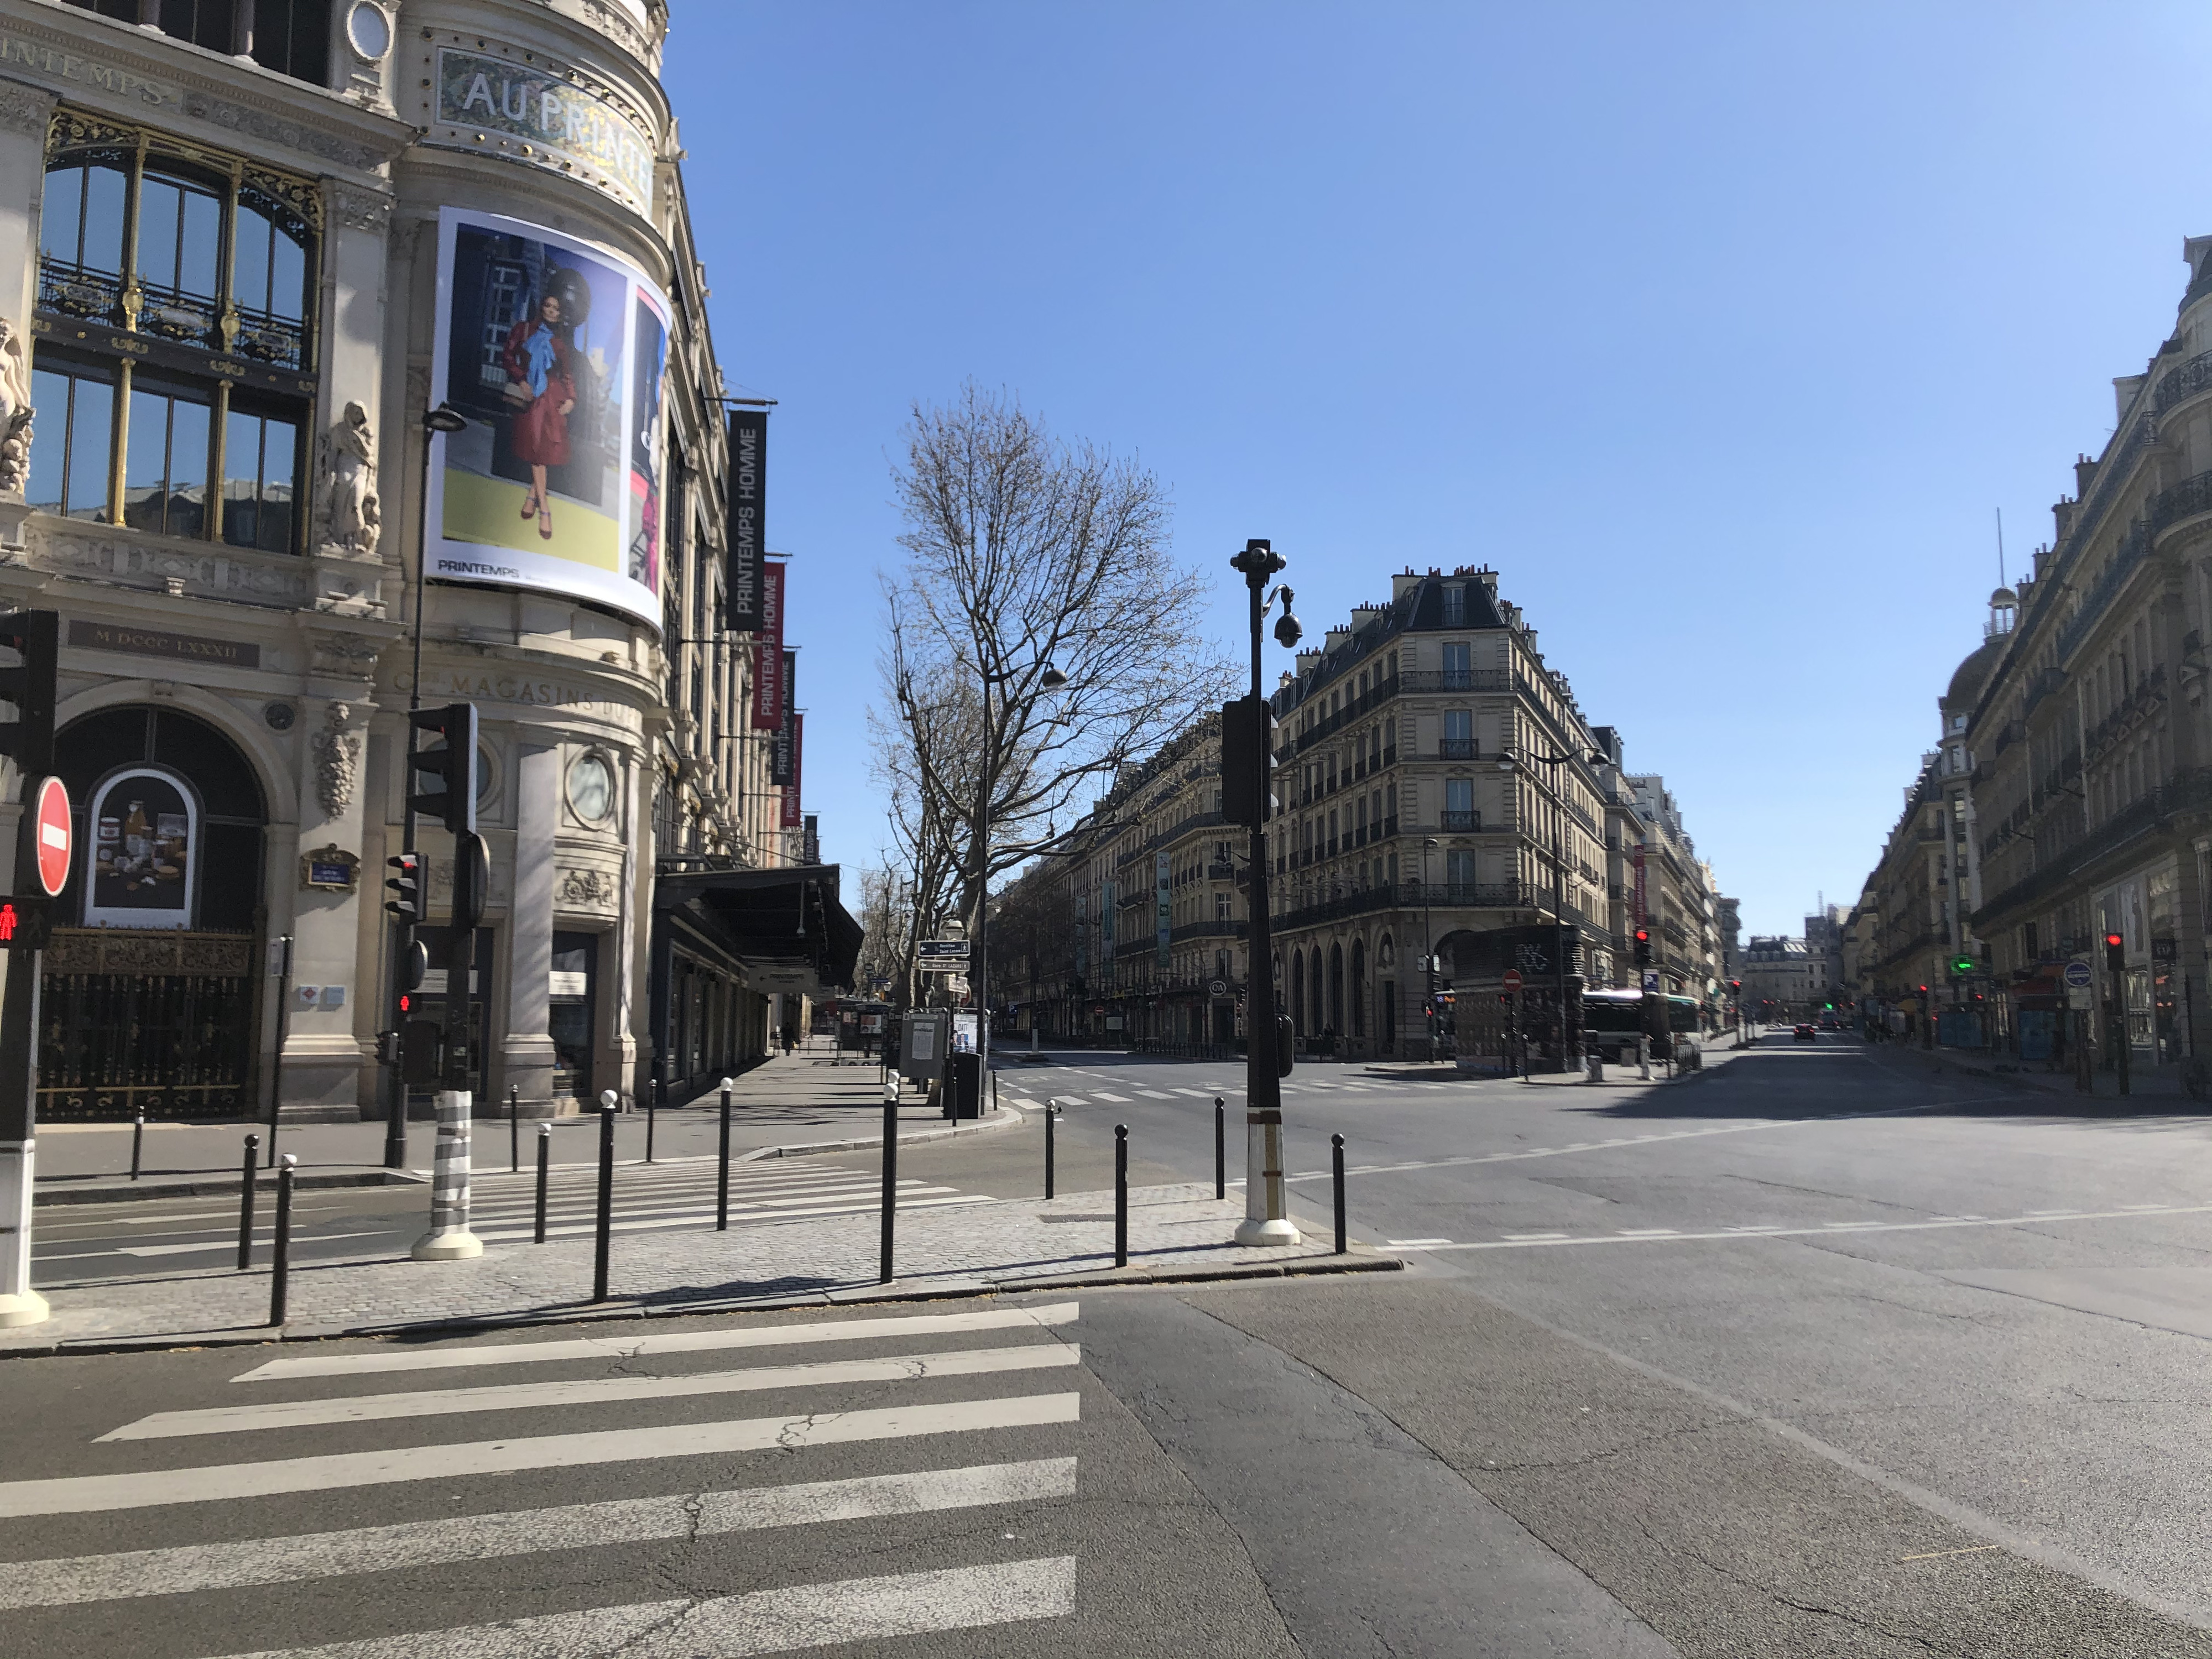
35	637
1643	947
471	882
406	887
1244	761
25	924
453	803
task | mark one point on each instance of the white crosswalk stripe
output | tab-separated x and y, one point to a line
975	1432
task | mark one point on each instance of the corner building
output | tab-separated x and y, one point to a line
245	246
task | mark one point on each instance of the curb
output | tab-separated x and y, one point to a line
955	1290
998	1118
221	1186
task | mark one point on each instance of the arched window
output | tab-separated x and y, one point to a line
182	412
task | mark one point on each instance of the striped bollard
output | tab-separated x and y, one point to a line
449	1238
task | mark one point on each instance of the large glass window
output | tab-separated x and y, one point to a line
196	425
70	463
165	471
260	463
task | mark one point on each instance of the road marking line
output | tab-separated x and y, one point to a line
754	1218
1119	1100
230	1244
634	1347
586	1391
1071	1100
857	1610
1414	1243
1871	1227
77	1580
1195	1094
1646	1232
399	1465
1027	1105
1520	1238
1938	1555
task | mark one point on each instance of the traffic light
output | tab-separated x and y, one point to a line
2116	958
1244	761
35	637
471	882
1644	947
453	803
1962	965
406	887
1735	986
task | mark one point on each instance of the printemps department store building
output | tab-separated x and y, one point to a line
244	246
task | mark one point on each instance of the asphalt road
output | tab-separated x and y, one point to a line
1816	1354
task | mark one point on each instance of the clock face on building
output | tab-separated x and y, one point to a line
591	788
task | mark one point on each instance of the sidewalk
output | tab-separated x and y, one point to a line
2166	1091
1175	1232
802	1101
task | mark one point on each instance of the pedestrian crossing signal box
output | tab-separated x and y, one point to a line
24	924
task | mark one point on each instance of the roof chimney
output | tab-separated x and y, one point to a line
1402	584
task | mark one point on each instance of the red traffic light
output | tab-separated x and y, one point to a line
406	1003
1923	990
2113	941
1643	935
7	920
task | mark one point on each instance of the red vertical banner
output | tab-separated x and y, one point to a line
791	819
769	696
1642	916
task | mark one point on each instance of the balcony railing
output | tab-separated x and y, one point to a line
1457	679
1456	749
1463	823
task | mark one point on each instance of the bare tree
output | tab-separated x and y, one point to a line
1029	557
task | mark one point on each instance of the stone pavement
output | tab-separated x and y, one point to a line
800	1101
1178	1231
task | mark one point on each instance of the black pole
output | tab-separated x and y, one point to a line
276	1059
1220	1147
1336	1171
245	1202
514	1129
1051	1111
279	1260
722	1170
1121	1194
545	1174
138	1142
604	1228
651	1114
891	1180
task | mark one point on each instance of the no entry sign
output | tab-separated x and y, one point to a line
1512	979
50	821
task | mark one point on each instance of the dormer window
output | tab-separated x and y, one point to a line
1455	605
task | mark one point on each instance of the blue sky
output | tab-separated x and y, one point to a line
1721	331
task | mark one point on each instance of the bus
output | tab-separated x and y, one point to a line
1612	1020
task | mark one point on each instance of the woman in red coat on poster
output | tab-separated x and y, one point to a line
542	383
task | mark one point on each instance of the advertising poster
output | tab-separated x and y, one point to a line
769	697
748	508
790	814
555	352
144	828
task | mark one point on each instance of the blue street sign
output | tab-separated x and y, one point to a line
2077	973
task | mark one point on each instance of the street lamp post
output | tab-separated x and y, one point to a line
1428	953
444	419
1267	1215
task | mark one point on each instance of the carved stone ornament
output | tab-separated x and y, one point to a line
15	411
359	210
338	759
329	869
356	517
584	889
24	109
342	656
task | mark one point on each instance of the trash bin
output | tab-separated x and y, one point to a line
963	1089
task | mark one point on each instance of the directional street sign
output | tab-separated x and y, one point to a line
1512	979
52	815
942	950
2077	973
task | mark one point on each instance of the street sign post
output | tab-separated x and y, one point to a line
52	817
2078	976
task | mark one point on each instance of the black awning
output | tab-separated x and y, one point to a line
785	928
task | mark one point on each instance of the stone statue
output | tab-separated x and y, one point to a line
14	412
356	519
338	757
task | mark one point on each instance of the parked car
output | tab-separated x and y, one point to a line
1804	1032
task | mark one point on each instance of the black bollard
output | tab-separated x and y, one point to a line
891	1180
1220	1147
722	1170
279	1260
652	1114
1336	1173
245	1201
1121	1194
607	1216
138	1142
545	1175
513	1130
1051	1111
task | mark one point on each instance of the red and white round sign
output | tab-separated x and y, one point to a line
49	819
1512	979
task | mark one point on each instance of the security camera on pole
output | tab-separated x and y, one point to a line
453	803
1246	765
42	865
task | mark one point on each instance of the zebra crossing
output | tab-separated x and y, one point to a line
670	1194
886	1435
1225	1091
